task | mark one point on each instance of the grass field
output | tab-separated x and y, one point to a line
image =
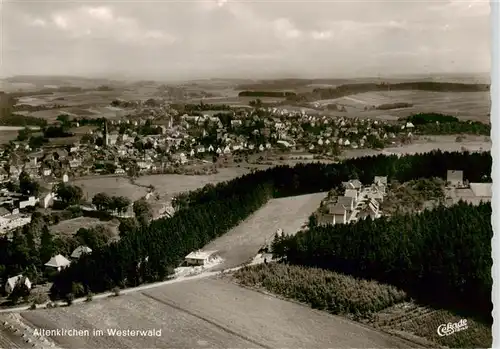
169	185
7	136
426	144
207	313
71	226
114	186
470	105
243	242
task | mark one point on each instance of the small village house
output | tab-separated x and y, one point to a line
200	258
13	281
339	213
455	178
58	262
352	193
346	201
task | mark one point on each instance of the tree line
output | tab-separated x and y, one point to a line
211	211
279	94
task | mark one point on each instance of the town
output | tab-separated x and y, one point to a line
242	174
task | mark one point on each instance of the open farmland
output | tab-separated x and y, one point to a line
71	226
7	136
235	101
169	185
243	242
427	144
114	186
207	313
464	105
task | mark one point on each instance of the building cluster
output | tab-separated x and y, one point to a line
56	263
458	188
358	202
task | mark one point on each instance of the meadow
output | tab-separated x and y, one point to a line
243	242
464	105
71	226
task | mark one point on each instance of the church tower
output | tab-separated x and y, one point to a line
106	133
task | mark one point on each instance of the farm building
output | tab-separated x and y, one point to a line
200	257
455	178
80	250
380	180
13	281
58	262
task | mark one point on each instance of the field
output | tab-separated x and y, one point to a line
207	313
169	185
426	144
71	226
235	101
409	320
114	186
470	105
7	136
243	242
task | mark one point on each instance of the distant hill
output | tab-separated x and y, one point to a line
350	89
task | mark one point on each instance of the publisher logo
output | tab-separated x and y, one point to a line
451	328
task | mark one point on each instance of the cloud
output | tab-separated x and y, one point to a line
101	22
248	38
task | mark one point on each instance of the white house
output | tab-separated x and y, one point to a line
30	202
13	281
80	250
352	193
200	258
455	178
65	178
47	199
58	262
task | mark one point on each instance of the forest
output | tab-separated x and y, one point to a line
440	257
279	94
209	212
429	118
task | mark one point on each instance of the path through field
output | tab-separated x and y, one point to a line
242	243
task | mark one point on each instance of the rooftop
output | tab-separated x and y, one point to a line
200	254
58	261
481	189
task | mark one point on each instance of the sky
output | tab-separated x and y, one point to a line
244	39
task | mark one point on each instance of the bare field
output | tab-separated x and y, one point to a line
169	185
465	105
243	242
114	186
71	226
444	143
207	313
7	136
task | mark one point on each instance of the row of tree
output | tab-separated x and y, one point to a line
107	203
209	212
278	94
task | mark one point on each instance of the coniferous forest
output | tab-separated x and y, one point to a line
458	256
441	257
